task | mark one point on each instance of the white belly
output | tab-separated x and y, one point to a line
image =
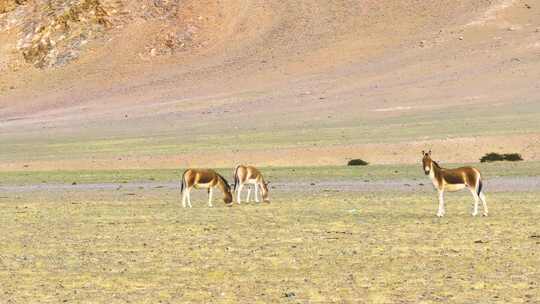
202	186
453	187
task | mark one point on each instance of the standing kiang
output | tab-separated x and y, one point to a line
249	175
204	179
454	180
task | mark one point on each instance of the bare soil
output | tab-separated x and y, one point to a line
498	184
281	83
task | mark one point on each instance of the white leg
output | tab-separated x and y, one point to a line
476	199
184	197
440	212
257	193
210	197
248	194
239	191
484	203
189	198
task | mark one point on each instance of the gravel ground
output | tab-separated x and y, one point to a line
499	184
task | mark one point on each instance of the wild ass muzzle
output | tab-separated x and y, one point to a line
454	180
204	179
245	175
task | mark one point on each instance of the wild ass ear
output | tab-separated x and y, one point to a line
423	152
429	153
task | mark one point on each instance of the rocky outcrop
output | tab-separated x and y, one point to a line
53	32
9	5
57	35
56	32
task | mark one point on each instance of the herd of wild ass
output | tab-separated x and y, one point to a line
210	179
443	180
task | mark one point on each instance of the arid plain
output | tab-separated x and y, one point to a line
104	103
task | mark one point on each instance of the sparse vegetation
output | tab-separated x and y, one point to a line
492	157
139	245
357	162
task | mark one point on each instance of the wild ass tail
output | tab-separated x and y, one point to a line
235	176
479	190
182	183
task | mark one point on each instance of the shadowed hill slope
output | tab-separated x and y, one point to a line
169	83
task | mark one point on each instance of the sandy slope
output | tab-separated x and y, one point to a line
285	83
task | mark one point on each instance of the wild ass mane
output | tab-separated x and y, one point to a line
227	186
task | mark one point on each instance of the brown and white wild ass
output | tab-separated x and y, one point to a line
204	179
454	180
249	175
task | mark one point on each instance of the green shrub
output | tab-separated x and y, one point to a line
357	162
513	157
491	157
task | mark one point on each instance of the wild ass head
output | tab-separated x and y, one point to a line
427	162
265	196
226	188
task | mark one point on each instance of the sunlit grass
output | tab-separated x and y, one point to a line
410	126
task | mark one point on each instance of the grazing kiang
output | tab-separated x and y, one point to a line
453	180
249	175
204	179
